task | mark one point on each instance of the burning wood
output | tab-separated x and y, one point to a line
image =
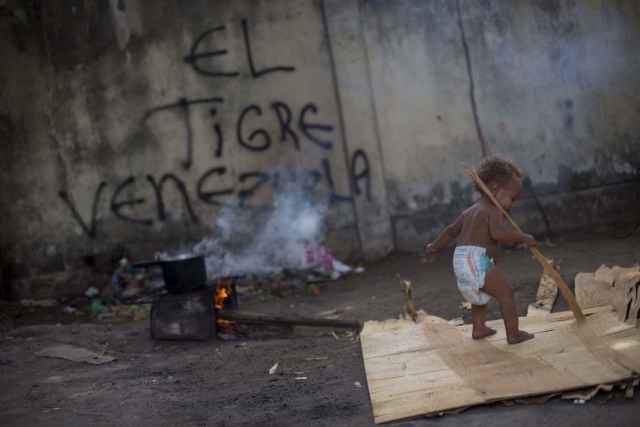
223	291
222	298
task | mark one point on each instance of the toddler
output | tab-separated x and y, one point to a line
479	231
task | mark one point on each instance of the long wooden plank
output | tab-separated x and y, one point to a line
262	319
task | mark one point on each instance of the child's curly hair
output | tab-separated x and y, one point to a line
496	169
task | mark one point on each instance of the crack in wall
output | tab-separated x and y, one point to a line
483	144
334	78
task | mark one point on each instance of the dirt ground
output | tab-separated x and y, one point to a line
320	378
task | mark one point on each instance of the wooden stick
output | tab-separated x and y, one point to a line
261	319
596	345
409	307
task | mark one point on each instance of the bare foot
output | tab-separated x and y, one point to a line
483	333
520	336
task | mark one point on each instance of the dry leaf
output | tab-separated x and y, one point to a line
273	369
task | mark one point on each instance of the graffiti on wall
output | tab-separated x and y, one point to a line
296	127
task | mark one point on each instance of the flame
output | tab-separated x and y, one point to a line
223	290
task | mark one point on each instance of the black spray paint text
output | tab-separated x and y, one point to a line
294	126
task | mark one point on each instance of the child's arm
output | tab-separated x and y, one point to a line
501	234
447	235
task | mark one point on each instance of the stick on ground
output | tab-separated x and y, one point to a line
407	291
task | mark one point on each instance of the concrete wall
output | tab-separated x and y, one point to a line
133	123
553	85
140	140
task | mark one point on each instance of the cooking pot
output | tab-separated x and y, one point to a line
181	273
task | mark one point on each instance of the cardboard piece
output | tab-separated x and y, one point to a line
547	293
76	354
432	366
617	286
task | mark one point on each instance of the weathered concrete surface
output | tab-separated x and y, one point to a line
362	139
550	85
139	141
133	122
420	87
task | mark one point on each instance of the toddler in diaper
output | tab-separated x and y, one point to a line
479	231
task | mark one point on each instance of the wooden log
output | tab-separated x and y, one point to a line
261	319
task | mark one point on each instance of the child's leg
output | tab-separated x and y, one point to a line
480	330
495	284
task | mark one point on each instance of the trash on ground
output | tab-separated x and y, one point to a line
136	311
69	310
38	302
305	265
76	354
91	291
273	369
547	293
96	306
128	282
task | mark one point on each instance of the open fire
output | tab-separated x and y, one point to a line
188	316
224	297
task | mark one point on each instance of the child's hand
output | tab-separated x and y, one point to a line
430	249
529	240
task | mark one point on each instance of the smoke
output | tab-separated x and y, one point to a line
251	243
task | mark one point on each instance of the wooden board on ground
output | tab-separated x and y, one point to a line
432	366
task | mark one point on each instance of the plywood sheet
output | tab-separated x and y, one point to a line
433	366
